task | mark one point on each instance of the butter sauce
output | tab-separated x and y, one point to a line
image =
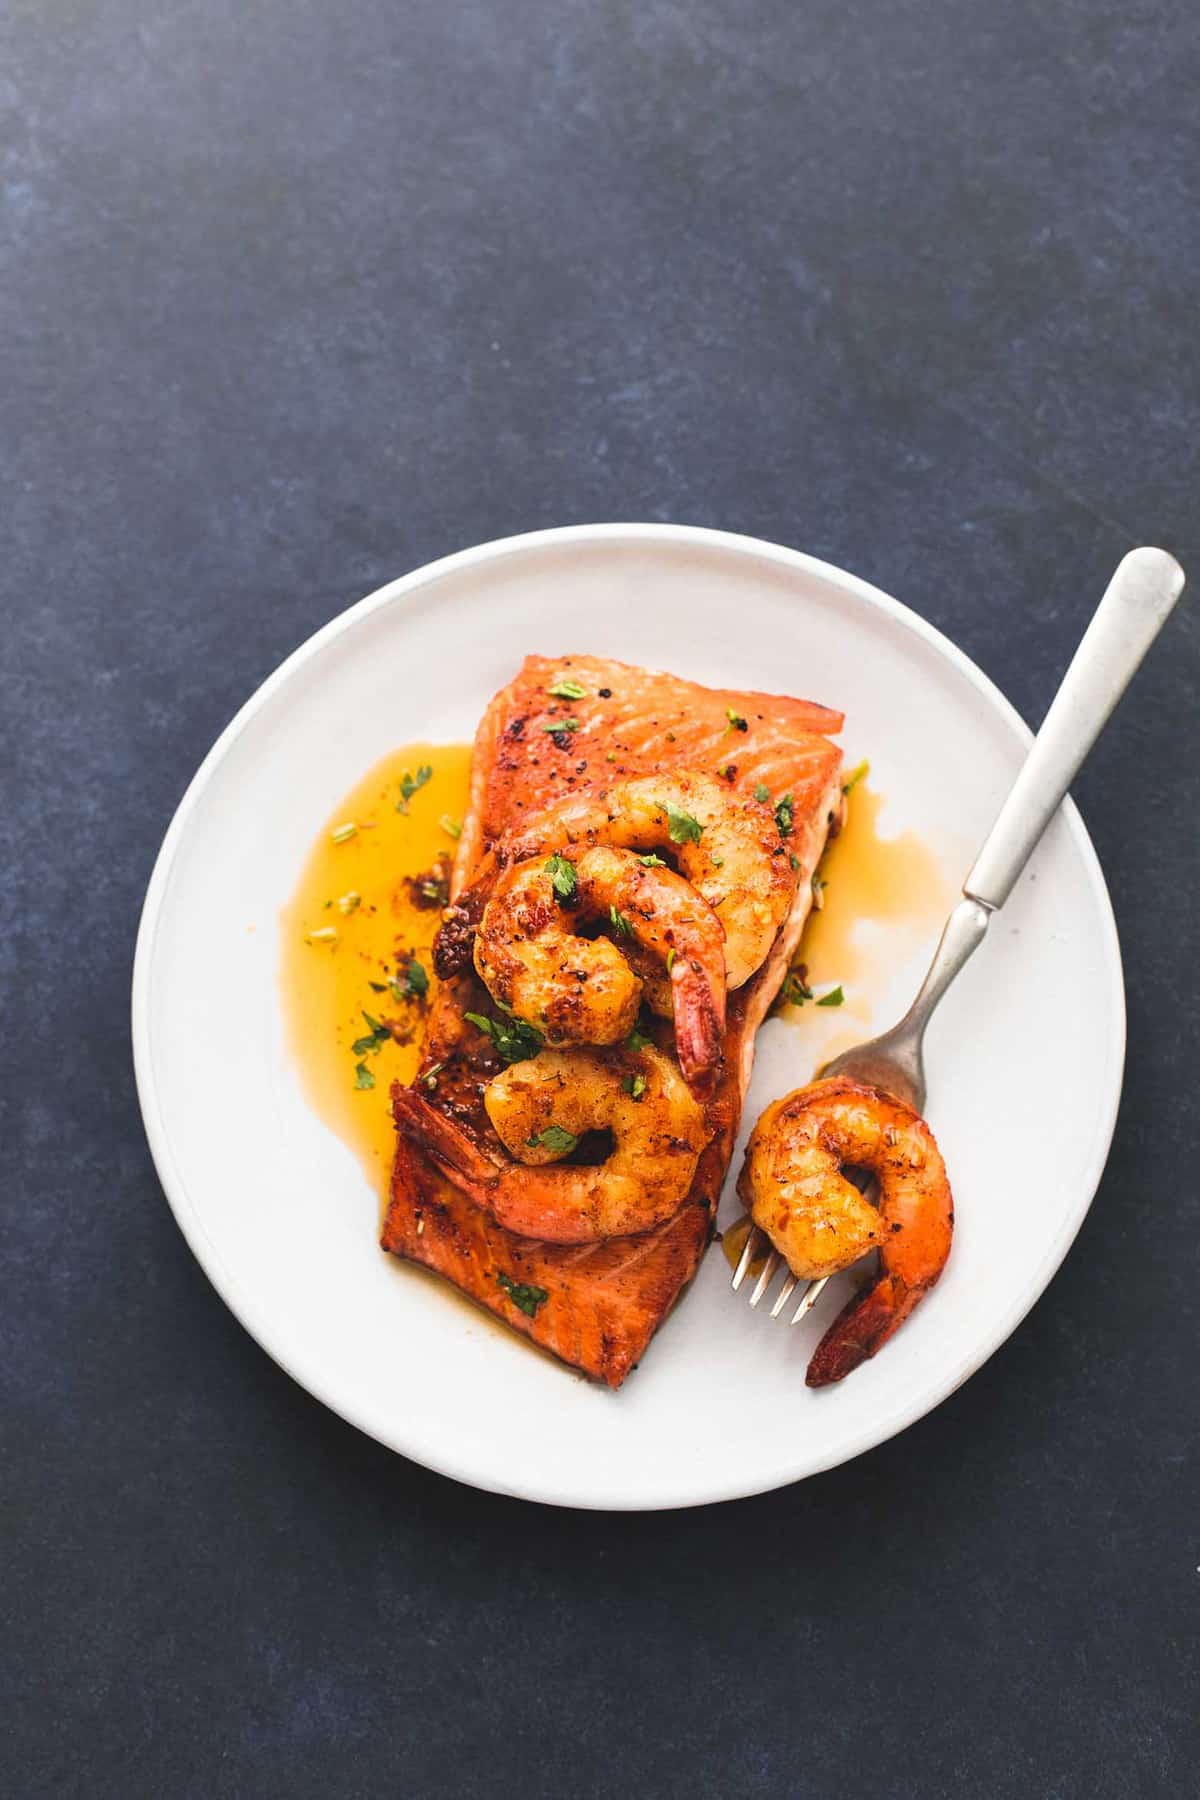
326	980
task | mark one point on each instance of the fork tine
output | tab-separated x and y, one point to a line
754	1240
812	1294
764	1281
785	1294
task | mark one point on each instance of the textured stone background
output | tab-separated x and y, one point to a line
294	297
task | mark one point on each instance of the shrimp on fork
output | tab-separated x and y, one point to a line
540	1108
793	1185
579	990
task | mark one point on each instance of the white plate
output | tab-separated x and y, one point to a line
280	1214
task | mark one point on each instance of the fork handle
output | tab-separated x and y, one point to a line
1135	607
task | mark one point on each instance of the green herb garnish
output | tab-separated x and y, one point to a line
525	1298
429	1078
451	826
785	815
435	889
409	785
556	1138
416	981
634	1085
670	961
562	877
341	834
762	792
795	990
557	725
620	923
363	1078
567	688
512	1039
682	828
637	1039
652	862
834	997
736	721
378	1036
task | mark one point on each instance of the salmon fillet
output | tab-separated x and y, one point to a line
597	1305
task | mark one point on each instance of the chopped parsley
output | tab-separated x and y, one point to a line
855	776
556	1138
795	990
341	834
415	984
736	721
682	828
363	1078
637	1039
525	1298
377	1036
794	860
378	987
512	1039
410	784
652	862
785	815
621	924
451	826
834	997
762	793
567	688
634	1085
563	878
557	725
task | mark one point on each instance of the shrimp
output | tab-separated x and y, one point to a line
580	990
729	848
540	1108
793	1186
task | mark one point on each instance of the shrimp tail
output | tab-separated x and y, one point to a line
862	1327
442	1139
699	1028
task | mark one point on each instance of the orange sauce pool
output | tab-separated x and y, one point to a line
879	896
330	981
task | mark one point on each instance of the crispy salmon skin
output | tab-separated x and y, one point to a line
567	725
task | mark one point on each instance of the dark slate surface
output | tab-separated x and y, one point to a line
297	296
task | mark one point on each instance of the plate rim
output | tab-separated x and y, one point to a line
187	1214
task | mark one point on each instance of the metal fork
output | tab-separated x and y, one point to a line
1135	607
